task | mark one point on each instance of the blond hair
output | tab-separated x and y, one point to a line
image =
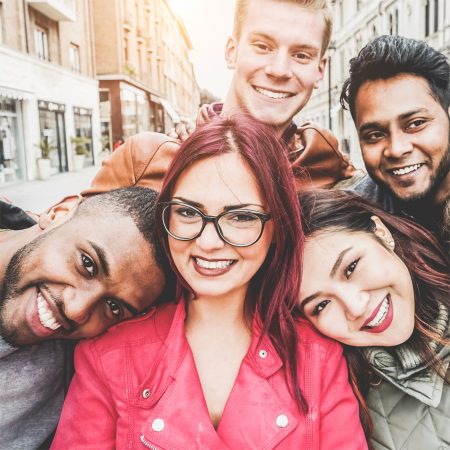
321	6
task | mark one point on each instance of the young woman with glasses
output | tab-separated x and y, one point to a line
226	364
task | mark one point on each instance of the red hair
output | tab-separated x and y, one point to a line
273	291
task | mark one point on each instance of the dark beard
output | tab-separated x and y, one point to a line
428	196
11	282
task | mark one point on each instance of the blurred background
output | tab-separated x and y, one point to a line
80	76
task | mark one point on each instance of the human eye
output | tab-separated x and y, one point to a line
351	268
373	137
261	46
242	218
415	124
186	212
114	308
302	56
88	265
319	307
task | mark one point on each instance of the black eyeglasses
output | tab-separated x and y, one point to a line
237	227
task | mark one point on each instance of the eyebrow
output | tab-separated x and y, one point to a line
333	271
101	255
403	116
257	34
225	208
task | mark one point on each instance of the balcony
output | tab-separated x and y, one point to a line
58	10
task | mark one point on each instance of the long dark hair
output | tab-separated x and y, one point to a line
273	290
416	247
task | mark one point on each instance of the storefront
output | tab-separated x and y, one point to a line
53	133
12	158
135	110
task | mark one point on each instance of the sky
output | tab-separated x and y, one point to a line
209	23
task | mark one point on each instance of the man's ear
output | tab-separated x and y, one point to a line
322	66
231	52
59	213
383	233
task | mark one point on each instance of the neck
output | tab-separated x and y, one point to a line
217	312
10	242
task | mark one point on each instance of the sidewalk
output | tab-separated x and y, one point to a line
37	195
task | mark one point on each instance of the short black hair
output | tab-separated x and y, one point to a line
388	56
136	202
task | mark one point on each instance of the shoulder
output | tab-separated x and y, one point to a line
151	328
144	148
309	337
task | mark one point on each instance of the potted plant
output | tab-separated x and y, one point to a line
80	151
43	163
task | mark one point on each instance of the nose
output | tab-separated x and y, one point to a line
398	145
279	65
209	239
355	304
79	304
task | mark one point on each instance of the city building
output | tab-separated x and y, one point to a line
356	22
146	79
48	90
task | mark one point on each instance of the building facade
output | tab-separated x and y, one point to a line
48	90
146	79
356	22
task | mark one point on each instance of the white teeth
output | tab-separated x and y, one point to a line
405	170
381	314
213	264
45	314
272	94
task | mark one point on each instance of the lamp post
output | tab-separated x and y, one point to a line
330	49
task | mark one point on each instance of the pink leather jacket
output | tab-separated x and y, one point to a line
137	387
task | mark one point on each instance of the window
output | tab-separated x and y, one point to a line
427	18
391	24
436	15
75	58
396	21
41	43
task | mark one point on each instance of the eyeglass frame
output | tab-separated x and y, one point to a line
263	217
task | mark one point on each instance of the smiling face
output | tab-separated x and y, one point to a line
404	136
277	61
210	266
355	290
76	280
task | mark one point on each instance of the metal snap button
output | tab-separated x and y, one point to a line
158	425
146	393
262	354
282	421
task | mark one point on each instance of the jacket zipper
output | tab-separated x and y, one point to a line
147	444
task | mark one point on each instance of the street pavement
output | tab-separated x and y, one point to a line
38	195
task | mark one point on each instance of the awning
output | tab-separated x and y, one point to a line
170	110
15	94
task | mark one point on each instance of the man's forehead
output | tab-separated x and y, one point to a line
392	99
260	13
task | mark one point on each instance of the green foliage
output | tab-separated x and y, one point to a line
79	145
46	146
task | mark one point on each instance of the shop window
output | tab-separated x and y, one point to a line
74	52
41	43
